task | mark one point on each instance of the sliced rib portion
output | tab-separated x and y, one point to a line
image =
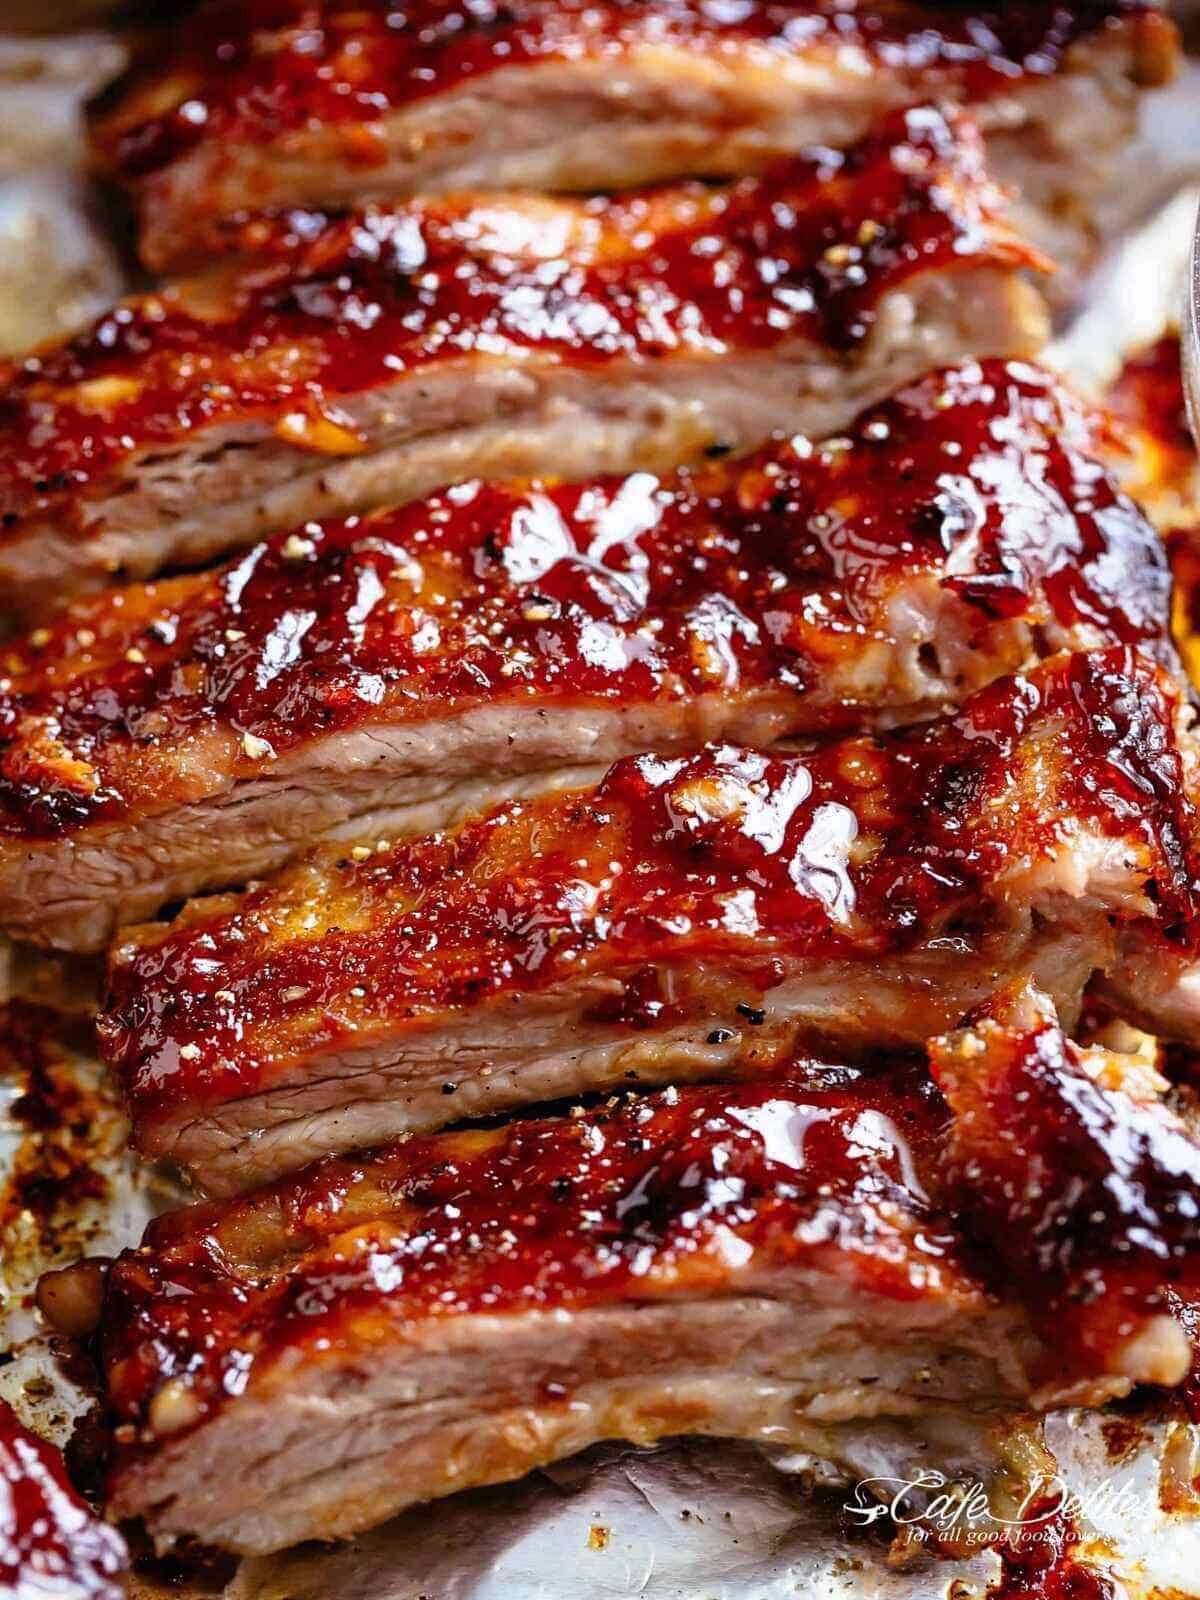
458	1310
357	676
1081	1186
54	1544
682	918
383	355
758	1261
259	105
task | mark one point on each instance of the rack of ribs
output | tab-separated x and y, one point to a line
685	917
380	673
274	105
762	1261
374	358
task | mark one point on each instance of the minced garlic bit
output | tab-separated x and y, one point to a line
296	549
174	1407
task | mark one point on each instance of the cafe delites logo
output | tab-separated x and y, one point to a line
964	1511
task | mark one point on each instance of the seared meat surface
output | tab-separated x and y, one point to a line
759	1261
375	358
356	677
51	1542
681	919
257	105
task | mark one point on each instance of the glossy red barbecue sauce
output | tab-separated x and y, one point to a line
253	71
803	253
1086	1203
720	1190
732	579
51	1543
729	859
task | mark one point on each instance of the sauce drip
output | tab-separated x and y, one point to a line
1045	1567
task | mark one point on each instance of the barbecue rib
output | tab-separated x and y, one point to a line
682	919
697	1262
300	104
384	355
52	1545
197	732
758	1261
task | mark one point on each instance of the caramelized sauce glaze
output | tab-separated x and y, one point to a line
347	306
729	857
51	1543
687	1193
249	72
764	576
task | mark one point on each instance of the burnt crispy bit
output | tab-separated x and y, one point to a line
256	105
369	359
692	1262
51	1542
870	891
368	674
